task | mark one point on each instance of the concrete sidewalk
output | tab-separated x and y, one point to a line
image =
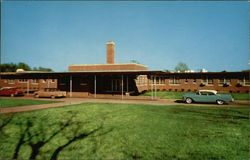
73	101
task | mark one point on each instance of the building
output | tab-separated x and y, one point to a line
27	85
124	78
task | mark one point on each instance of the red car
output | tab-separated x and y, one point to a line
10	91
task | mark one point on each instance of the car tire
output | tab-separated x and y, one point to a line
188	100
53	97
220	102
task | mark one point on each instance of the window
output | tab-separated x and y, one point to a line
186	81
203	93
159	80
174	80
22	80
43	80
244	82
11	81
210	93
224	82
207	93
207	81
141	80
34	81
194	80
53	80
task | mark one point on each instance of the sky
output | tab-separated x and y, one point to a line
55	34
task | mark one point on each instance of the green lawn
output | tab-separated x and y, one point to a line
178	95
241	96
126	131
10	102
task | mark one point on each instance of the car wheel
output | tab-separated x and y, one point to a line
189	100
220	102
12	95
53	97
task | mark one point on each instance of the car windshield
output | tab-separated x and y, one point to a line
206	93
203	93
50	89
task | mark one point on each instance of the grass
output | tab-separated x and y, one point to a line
10	102
126	131
241	96
178	95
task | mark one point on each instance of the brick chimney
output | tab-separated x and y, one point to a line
110	52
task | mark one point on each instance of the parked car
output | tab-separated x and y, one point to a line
207	96
50	92
10	91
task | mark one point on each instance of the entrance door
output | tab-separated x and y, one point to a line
116	85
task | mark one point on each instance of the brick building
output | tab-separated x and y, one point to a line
121	78
27	85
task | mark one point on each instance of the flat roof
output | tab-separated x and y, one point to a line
27	74
30	74
113	64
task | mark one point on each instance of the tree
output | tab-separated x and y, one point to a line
134	61
23	66
166	70
247	70
181	67
12	67
44	69
8	67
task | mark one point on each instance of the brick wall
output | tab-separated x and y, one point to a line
187	85
110	52
107	67
31	84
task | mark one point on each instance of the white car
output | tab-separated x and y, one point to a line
50	92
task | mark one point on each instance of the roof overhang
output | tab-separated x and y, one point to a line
39	75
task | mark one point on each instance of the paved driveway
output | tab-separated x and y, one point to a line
72	101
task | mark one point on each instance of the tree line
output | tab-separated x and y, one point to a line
12	67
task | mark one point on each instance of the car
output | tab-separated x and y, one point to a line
50	92
207	96
10	91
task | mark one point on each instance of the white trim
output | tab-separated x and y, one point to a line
174	84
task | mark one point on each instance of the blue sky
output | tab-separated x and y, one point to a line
210	35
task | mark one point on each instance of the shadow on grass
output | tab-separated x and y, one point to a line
179	101
36	133
5	121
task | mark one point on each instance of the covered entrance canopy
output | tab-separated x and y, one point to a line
94	82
